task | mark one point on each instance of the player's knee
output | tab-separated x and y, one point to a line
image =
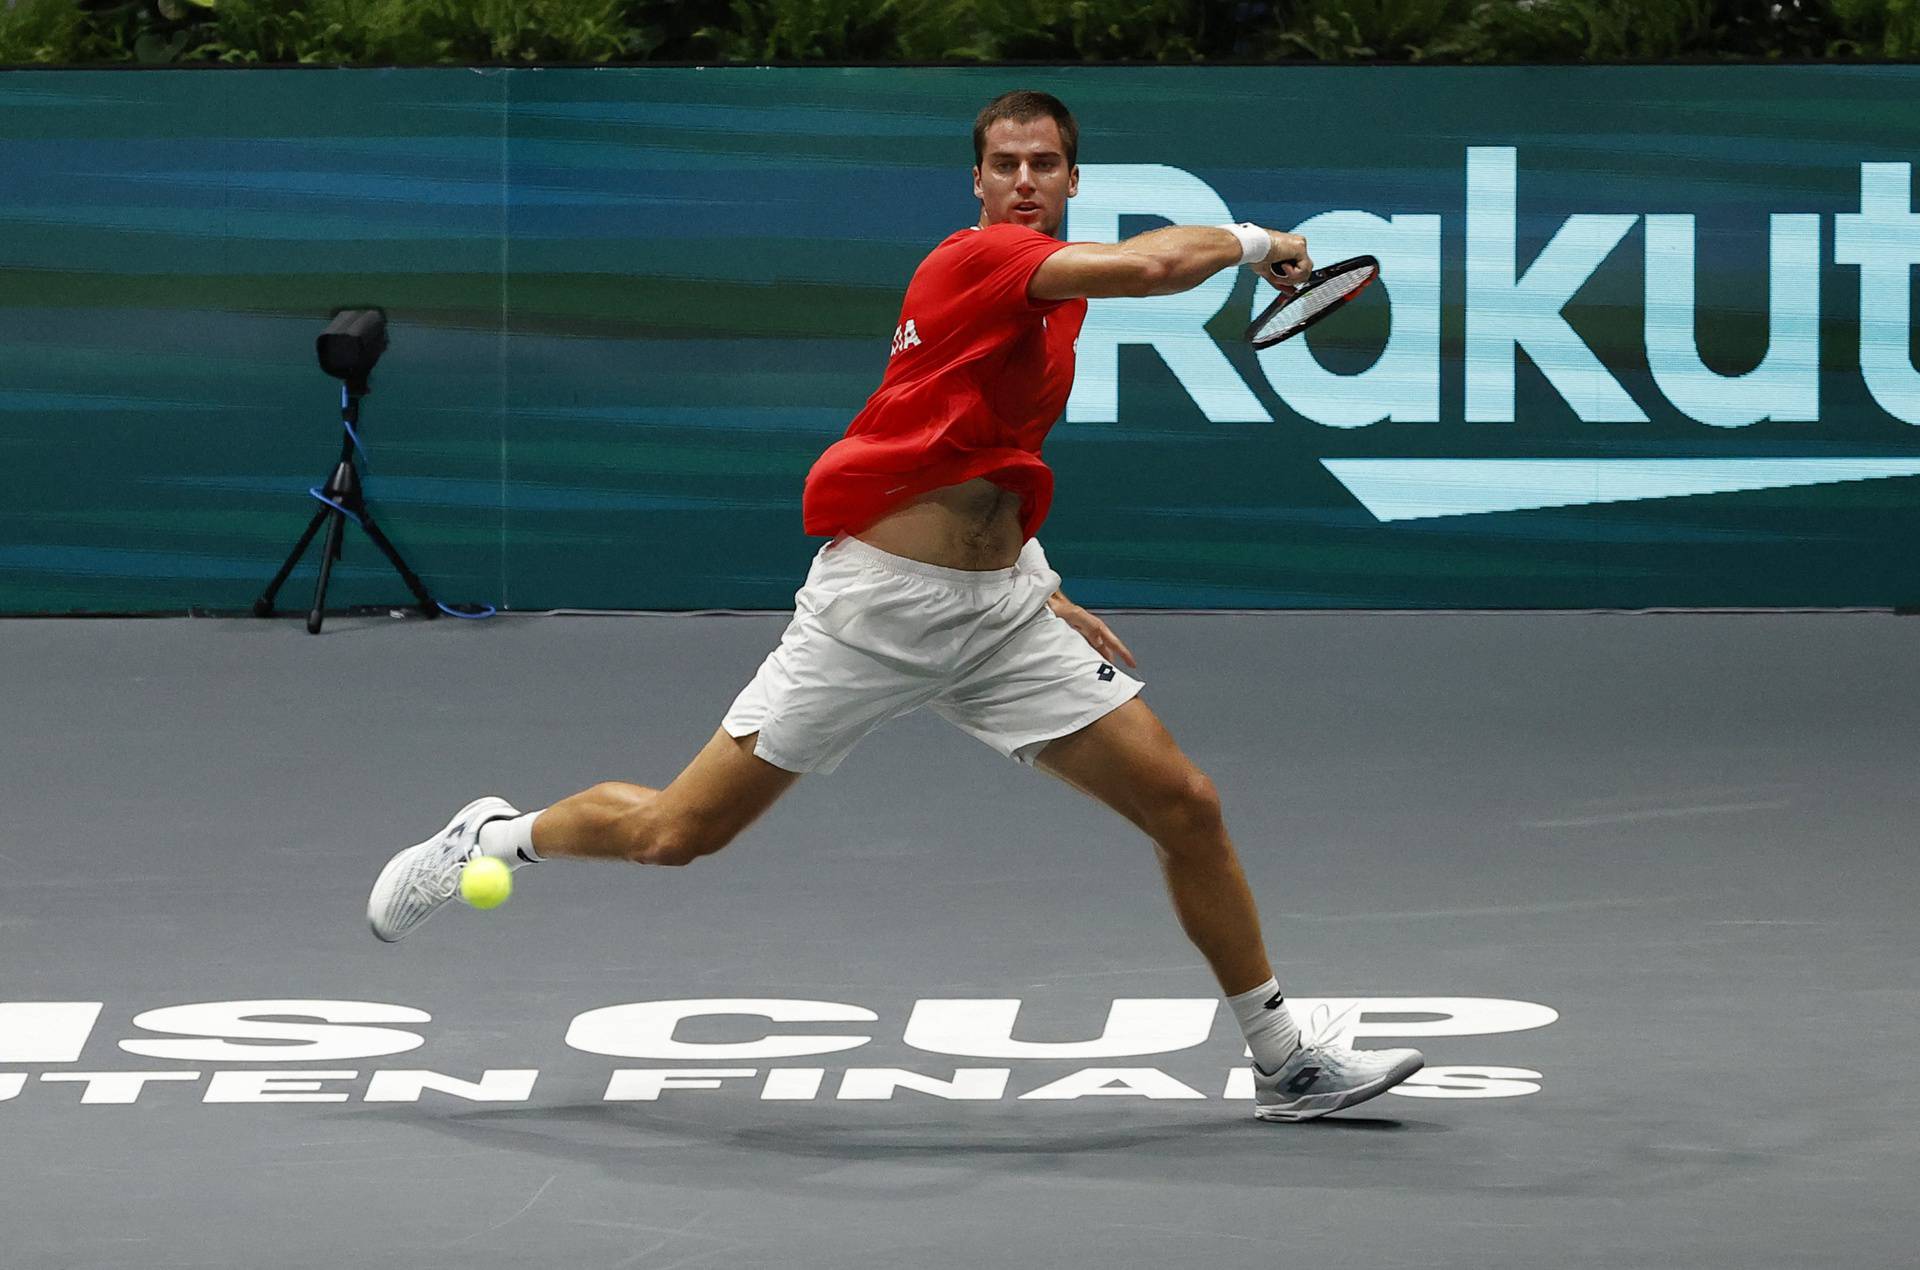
1188	809
643	830
675	843
661	849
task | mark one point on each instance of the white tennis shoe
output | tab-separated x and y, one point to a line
1325	1075
422	877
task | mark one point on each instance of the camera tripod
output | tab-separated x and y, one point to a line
342	501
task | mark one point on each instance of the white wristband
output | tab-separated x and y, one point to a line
1256	244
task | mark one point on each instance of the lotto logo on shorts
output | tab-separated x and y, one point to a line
1105	672
904	337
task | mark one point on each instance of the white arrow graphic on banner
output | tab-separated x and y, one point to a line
1417	489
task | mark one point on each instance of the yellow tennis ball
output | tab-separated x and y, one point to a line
486	882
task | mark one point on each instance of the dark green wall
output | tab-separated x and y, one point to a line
630	307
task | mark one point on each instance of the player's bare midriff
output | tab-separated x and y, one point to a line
972	525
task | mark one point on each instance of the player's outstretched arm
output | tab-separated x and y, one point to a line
1163	261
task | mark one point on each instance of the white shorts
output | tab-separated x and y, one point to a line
875	636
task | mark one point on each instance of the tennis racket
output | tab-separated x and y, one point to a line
1299	307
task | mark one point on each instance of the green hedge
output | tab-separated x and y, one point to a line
435	32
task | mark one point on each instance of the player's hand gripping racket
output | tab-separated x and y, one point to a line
1300	306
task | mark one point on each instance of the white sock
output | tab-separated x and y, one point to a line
1268	1024
511	840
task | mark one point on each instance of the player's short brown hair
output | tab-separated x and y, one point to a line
1024	106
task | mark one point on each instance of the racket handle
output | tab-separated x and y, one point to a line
1279	284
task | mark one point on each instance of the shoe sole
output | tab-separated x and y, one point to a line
380	882
1296	1112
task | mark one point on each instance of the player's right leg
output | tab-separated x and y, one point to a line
839	672
723	790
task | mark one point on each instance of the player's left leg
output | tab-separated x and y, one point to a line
1129	761
1041	694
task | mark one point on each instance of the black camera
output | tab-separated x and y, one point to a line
351	345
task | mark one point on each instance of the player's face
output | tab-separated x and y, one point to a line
1023	175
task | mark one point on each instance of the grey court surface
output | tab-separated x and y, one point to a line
1687	839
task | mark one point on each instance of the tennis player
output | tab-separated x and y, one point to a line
934	591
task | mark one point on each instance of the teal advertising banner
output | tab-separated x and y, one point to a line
1644	336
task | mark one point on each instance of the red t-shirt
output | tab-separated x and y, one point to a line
977	376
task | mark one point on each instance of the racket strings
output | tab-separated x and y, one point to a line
1315	300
